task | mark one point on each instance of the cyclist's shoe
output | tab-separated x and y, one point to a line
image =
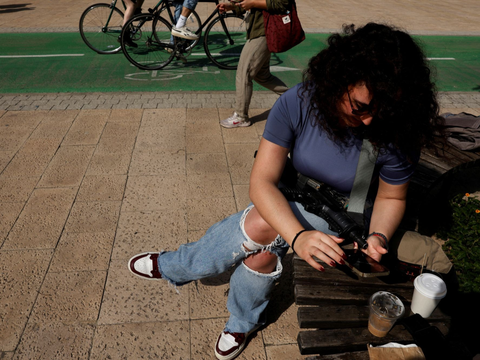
184	33
235	121
138	11
127	41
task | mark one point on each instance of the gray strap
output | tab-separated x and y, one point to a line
361	184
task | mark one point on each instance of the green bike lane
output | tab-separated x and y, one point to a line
61	62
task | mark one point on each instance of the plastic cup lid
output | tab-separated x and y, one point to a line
431	286
387	305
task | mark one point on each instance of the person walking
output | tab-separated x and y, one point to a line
254	62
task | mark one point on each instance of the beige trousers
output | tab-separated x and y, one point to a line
254	64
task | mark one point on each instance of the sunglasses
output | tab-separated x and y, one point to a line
361	110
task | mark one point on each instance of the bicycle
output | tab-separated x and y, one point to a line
223	41
100	24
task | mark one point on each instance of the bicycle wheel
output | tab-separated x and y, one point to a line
151	34
100	26
224	40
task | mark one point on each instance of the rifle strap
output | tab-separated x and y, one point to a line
361	184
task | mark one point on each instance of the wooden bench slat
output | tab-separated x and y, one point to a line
347	340
314	294
347	316
357	355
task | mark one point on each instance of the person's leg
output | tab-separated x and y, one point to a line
254	279
128	11
263	76
243	87
180	28
138	7
254	64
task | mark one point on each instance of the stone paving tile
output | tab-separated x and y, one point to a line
83	252
125	115
93	216
240	135
107	163
12	138
129	299
102	188
205	213
42	220
5	158
147	340
152	135
146	193
208	297
202	187
19	286
153	161
8	215
33	158
284	352
20	119
118	136
242	197
204	144
55	341
149	231
87	128
68	166
240	160
205	164
69	297
14	189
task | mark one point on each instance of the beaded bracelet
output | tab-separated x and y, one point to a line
380	235
295	238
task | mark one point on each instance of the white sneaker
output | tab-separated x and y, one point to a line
184	33
235	121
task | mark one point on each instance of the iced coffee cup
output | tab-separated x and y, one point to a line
385	310
429	290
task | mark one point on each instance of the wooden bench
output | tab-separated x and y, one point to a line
333	304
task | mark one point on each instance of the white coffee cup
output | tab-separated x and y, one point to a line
429	290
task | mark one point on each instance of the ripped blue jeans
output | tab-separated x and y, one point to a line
222	247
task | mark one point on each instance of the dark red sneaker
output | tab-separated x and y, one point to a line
145	265
230	345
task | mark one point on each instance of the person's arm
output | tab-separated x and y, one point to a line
248	4
275	210
388	211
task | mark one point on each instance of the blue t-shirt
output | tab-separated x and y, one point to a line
315	155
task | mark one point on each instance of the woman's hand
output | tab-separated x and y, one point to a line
375	248
324	247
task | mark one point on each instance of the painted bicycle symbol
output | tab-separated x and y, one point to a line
177	73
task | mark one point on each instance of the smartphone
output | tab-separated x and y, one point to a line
363	265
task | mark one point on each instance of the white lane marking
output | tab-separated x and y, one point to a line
38	56
441	59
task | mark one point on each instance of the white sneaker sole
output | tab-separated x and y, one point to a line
183	36
239	124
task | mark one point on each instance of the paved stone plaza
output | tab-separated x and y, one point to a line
89	180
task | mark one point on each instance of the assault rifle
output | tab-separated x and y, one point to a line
321	200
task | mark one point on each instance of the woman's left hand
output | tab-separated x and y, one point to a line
375	248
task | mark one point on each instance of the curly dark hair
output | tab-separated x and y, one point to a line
394	69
